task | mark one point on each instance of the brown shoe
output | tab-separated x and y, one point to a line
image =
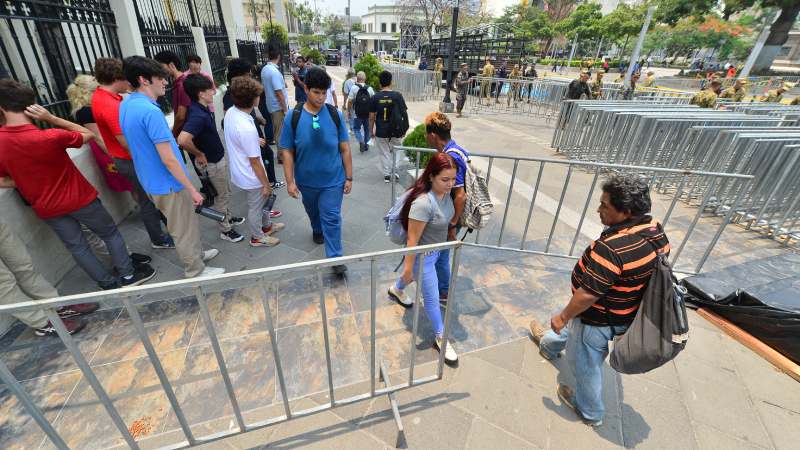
72	325
537	331
567	396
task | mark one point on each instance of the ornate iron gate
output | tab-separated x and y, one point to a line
46	43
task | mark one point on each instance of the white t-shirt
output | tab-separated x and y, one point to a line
241	141
331	92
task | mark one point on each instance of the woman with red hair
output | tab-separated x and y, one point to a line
426	215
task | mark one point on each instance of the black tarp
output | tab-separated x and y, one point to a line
776	324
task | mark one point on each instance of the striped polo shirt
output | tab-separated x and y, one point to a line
617	267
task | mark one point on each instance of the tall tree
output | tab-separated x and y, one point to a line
559	9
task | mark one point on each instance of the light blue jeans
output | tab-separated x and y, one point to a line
587	348
435	269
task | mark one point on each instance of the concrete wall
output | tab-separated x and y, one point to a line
50	257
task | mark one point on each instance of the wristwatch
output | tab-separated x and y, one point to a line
348	178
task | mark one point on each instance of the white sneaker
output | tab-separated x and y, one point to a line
400	296
211	271
450	355
210	254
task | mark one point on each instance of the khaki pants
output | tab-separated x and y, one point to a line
277	125
485	85
219	175
18	280
184	228
385	146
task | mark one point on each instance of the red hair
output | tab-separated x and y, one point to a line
438	162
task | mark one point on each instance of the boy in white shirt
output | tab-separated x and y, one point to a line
246	164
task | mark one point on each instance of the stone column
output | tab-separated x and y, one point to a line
233	15
130	39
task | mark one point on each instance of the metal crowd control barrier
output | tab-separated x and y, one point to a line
531	176
414	84
754	140
200	285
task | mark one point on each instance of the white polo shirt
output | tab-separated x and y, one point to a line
241	142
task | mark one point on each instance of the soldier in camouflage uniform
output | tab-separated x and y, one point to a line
795	101
461	85
597	86
774	95
736	92
707	98
487	71
514	86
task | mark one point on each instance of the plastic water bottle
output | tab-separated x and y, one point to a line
267	208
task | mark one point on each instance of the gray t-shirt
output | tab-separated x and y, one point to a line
435	231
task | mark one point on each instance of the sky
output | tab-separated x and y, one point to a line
359	7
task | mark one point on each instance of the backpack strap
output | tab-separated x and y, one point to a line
298	110
459	153
334	116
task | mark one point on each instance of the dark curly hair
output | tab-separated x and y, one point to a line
244	91
108	70
317	78
628	193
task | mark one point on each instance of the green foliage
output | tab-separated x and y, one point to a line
527	21
355	27
417	139
308	40
274	33
372	68
313	55
585	22
624	22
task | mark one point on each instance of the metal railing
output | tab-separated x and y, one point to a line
562	220
752	139
260	278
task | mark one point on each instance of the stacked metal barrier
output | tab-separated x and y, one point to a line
543	97
414	84
754	139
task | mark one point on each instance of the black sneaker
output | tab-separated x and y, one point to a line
386	179
72	326
362	147
278	185
318	238
339	269
138	259
236	220
231	236
169	243
140	275
79	309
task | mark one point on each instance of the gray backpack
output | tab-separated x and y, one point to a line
660	329
478	208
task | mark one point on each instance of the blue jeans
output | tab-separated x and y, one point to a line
358	124
324	209
587	348
435	269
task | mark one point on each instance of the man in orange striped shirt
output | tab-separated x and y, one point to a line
607	286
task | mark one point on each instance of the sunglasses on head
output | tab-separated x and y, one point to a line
315	122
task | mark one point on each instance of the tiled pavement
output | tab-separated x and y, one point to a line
716	395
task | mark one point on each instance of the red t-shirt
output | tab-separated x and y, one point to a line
179	95
105	108
45	175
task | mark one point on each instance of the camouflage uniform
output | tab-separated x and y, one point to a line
704	99
795	101
773	96
597	89
488	71
649	81
733	94
514	87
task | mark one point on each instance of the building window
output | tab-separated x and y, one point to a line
394	28
383	27
370	28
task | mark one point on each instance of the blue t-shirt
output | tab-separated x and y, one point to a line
273	81
317	160
200	123
144	126
461	170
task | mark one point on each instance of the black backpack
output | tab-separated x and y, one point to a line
660	329
398	121
298	110
362	103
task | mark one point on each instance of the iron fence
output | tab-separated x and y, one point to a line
132	299
544	215
46	43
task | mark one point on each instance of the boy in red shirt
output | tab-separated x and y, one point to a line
36	163
105	108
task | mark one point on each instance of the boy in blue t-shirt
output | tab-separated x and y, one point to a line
317	163
159	165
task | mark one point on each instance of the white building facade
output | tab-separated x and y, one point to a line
382	26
